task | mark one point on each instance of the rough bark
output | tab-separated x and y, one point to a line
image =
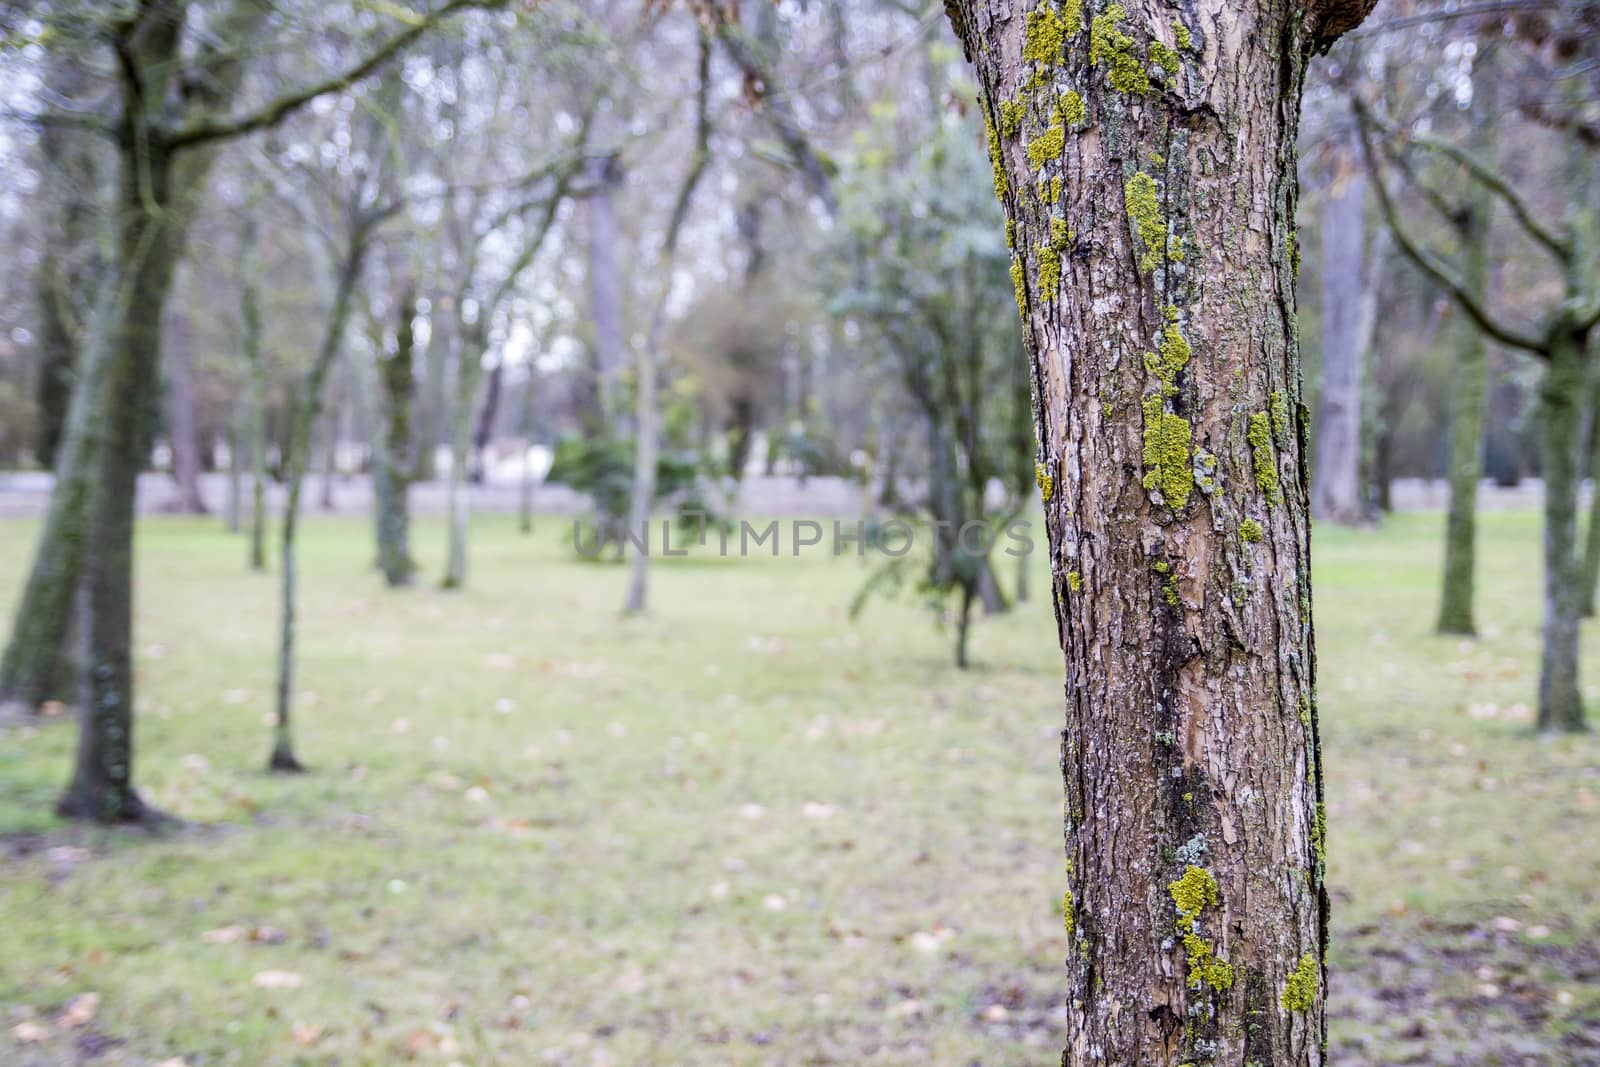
1157	287
1336	483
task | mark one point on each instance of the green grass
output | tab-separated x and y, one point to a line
741	830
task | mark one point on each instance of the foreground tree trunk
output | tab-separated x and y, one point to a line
1336	485
1146	166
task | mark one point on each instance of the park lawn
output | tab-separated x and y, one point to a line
742	830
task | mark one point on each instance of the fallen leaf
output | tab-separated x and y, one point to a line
276	980
80	1011
30	1032
305	1034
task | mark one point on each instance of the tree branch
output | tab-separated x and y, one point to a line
1431	265
205	130
777	111
1555	244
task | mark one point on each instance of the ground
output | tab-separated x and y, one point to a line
742	830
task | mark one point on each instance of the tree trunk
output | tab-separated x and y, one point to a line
430	424
605	293
233	515
255	388
1468	392
182	433
57	354
963	625
392	469
1469	378
1336	484
525	503
1590	575
1562	396
30	667
1147	166
148	245
487	414
330	454
304	418
644	476
469	369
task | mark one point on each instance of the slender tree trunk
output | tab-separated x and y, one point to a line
525	504
1562	396
431	414
1158	300
1336	484
1468	380
647	416
255	433
1468	392
330	455
1590	575
183	434
605	291
963	625
644	478
58	356
469	370
304	418
233	515
487	414
392	469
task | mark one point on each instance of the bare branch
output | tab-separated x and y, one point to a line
1430	264
1492	7
775	107
1557	245
205	130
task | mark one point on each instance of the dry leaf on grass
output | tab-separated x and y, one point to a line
277	980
